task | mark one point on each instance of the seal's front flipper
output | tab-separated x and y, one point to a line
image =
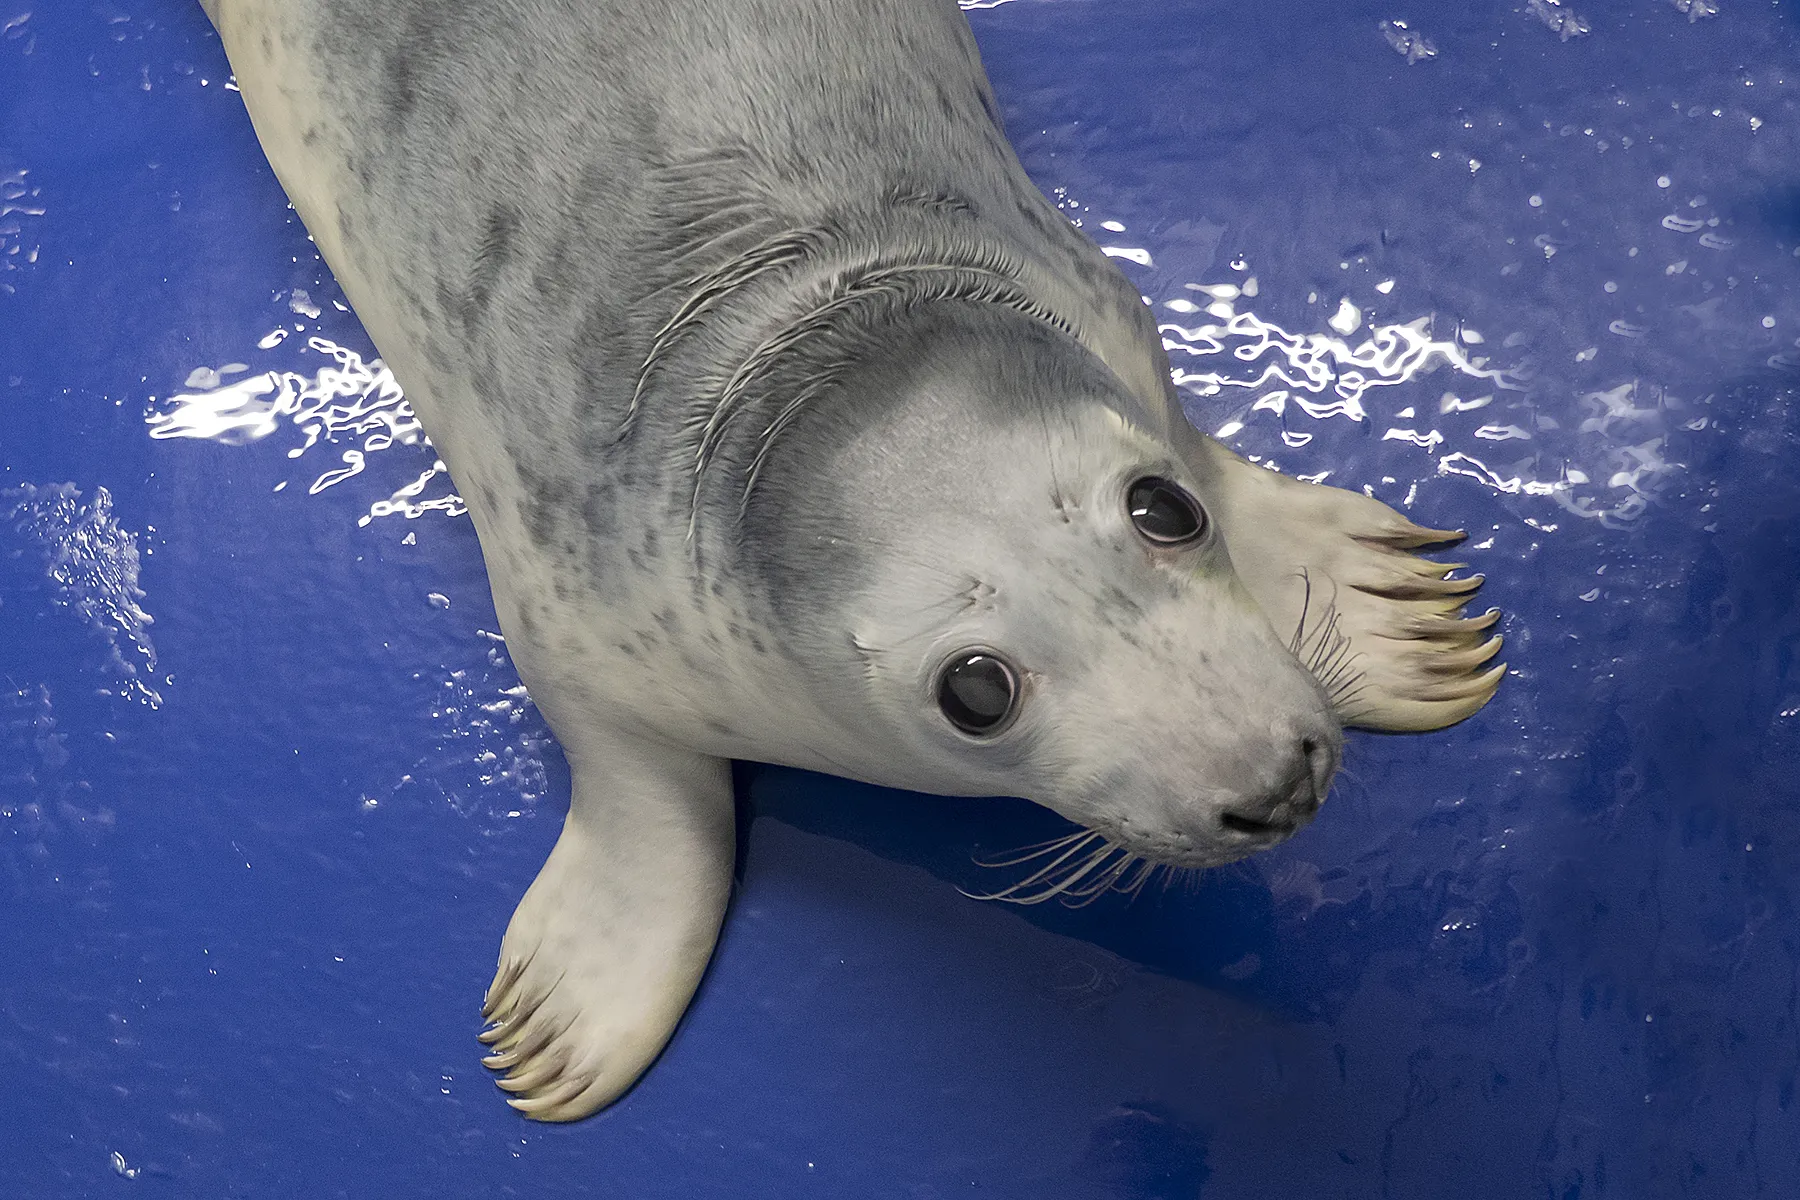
610	941
1335	574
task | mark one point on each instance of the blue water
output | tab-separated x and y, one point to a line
269	791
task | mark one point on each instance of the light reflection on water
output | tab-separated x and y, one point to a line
21	201
1312	362
1607	468
355	400
489	753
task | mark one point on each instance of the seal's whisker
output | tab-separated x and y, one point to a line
1325	649
1037	850
1337	670
1183	879
1073	848
1106	881
1331	645
1299	638
1061	874
1084	868
1350	690
1067	869
1135	884
1101	880
1341	671
1072	877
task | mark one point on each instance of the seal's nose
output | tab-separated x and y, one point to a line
1288	807
1322	758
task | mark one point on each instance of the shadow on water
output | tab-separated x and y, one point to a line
1139	1148
1144	1152
1776	209
1217	928
1678	737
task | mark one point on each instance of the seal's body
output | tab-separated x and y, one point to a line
797	426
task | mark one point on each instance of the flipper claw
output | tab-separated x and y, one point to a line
607	946
1336	573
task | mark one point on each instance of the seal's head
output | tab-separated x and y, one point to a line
999	579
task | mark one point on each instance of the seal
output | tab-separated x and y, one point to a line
797	426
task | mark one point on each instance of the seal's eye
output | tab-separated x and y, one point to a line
977	692
1164	512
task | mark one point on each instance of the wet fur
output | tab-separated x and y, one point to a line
677	287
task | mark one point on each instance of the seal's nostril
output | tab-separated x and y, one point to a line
1321	765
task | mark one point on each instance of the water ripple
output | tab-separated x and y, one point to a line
1608	468
356	400
92	563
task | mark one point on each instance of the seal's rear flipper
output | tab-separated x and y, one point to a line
610	941
1335	574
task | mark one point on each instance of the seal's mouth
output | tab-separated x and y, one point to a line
1083	866
1249	826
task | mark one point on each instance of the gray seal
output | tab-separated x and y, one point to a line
797	426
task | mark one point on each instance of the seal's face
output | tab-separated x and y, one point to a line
1079	637
1044	607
